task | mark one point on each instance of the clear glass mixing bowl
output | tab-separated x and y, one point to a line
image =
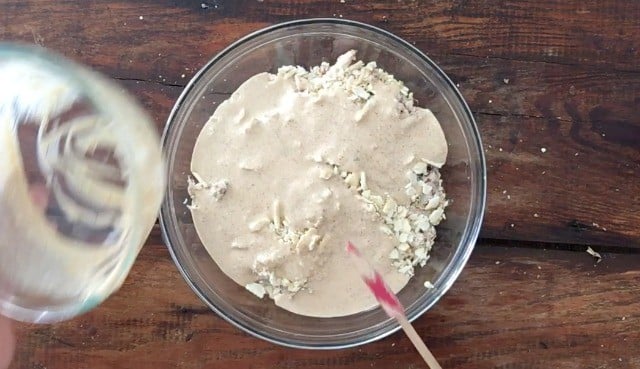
308	43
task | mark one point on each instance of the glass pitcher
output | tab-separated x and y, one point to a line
81	183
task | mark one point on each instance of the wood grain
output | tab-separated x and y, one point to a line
511	308
559	78
593	33
581	107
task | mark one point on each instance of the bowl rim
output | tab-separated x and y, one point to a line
462	254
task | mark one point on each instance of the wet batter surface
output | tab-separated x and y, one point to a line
294	165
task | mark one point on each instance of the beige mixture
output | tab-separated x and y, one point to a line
293	165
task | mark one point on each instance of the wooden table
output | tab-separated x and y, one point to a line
555	88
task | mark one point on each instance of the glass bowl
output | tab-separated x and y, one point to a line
308	43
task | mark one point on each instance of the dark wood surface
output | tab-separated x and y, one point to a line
514	308
563	76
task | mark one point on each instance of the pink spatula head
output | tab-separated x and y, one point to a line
386	298
390	303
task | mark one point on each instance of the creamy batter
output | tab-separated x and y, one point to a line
293	165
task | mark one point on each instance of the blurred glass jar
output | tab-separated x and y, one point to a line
81	183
